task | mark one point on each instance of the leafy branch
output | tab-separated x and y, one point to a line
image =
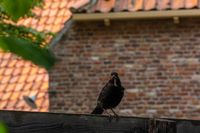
22	41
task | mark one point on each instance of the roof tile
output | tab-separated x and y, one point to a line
43	20
20	63
20	104
33	93
26	70
46	78
122	5
53	13
28	86
23	78
105	5
149	4
47	5
15	96
138	5
40	101
8	71
3	104
1	76
31	78
163	4
63	4
14	79
12	63
33	71
77	3
40	95
45	13
2	70
17	71
6	95
40	27
19	87
43	109
10	87
7	56
5	79
11	105
2	88
26	21
3	63
37	86
28	63
58	21
50	20
191	3
56	27
45	86
40	77
56	5
176	4
41	71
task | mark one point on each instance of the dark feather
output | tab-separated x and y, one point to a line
111	94
97	110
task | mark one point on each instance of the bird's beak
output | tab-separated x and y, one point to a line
112	76
115	82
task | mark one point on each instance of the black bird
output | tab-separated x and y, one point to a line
110	96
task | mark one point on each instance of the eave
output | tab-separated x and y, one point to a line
137	15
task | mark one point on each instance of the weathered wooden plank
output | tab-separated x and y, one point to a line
24	122
57	123
186	126
30	122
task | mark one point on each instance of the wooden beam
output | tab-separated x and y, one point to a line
32	122
37	122
136	15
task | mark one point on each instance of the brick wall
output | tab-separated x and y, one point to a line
158	62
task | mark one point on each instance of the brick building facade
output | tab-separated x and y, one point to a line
158	62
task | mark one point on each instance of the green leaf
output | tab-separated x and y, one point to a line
3	128
38	38
16	8
27	50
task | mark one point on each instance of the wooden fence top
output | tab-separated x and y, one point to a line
37	122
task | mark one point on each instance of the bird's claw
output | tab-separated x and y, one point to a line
110	118
117	117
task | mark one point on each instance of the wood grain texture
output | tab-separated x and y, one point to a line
33	122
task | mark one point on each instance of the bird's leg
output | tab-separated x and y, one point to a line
115	114
107	112
110	116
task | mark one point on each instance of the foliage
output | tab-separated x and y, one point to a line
3	128
22	41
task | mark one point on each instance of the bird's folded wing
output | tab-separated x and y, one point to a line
105	92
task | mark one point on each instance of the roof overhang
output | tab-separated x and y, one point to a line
137	15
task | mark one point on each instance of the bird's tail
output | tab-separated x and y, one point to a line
97	110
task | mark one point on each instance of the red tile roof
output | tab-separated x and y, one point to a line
141	5
19	77
51	17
